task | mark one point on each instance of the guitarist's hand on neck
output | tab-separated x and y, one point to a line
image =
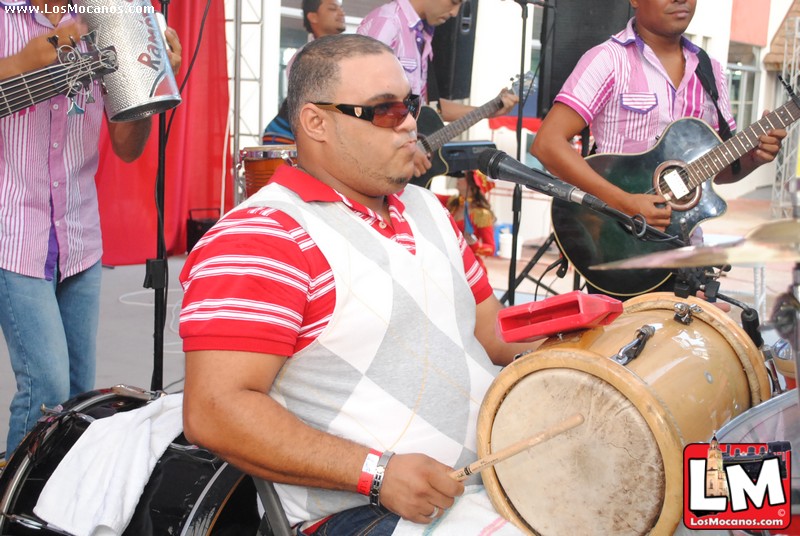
452	110
768	146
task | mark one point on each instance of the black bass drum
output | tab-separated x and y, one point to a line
191	491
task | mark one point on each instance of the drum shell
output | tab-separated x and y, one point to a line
143	84
260	164
190	489
777	419
688	381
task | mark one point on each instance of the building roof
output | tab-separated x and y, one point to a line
778	49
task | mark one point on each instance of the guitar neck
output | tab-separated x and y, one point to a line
724	154
25	90
435	141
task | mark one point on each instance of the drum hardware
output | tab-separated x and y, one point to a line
517	448
30	523
631	351
684	312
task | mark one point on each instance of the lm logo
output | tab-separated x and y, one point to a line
737	485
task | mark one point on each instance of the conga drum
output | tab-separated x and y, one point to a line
667	372
261	162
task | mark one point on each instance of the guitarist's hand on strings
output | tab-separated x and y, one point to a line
422	162
653	207
39	52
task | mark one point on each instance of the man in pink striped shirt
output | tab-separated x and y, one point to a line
50	245
629	89
407	27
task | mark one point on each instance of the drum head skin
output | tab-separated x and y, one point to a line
607	476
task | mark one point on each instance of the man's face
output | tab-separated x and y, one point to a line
664	17
328	19
366	159
437	12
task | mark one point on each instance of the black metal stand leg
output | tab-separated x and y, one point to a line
526	271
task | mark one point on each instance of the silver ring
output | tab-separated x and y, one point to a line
435	512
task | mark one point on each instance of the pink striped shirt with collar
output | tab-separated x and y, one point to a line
621	89
48	200
394	24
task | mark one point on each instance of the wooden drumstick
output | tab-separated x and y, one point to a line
487	461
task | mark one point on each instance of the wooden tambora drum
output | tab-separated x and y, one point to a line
691	370
261	162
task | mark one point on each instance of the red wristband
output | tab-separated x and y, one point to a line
368	471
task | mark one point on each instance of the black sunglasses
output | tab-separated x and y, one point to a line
385	114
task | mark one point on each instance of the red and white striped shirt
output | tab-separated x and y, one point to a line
48	162
257	282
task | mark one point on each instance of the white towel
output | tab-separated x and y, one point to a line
95	488
471	515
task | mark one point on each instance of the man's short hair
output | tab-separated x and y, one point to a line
315	73
309	6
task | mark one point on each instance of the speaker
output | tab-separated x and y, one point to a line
453	47
568	31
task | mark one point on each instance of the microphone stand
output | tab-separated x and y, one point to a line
156	269
516	197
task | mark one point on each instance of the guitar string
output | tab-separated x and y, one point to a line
40	83
706	160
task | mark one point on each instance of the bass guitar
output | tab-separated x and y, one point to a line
433	133
72	74
681	167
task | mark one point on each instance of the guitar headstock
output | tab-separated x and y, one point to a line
522	87
81	68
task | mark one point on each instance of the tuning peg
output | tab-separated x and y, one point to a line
89	97
90	39
74	109
72	41
53	40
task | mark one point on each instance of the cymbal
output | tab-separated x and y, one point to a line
741	253
785	232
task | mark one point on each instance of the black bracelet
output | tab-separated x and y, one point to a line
377	479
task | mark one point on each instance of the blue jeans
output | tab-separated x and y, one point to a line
50	328
360	521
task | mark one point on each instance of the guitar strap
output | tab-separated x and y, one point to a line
705	73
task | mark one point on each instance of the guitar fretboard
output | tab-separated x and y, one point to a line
724	154
20	92
435	141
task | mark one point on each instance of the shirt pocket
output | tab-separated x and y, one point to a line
638	118
409	64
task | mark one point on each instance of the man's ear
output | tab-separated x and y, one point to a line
313	122
313	17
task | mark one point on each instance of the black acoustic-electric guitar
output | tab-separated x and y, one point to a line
681	167
433	133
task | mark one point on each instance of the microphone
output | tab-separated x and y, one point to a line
536	3
498	165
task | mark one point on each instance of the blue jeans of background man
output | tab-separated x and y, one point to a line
50	328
